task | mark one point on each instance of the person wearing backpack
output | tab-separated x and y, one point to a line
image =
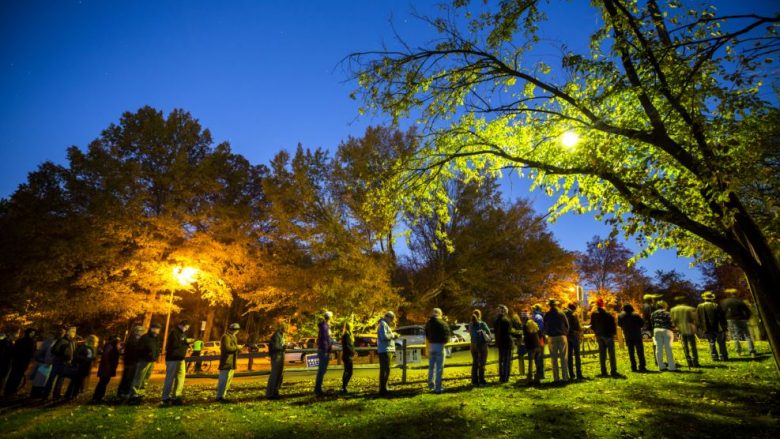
737	316
480	340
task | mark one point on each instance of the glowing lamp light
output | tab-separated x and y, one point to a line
570	139
185	275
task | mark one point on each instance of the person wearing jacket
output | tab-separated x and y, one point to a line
538	316
228	355
276	349
43	359
109	360
385	348
573	340
324	346
480	339
532	340
504	342
347	354
517	330
557	328
175	366
662	333
684	319
129	361
62	356
713	324
603	325
22	354
148	352
83	359
632	325
737	315
437	334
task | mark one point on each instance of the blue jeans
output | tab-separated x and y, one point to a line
321	369
720	339
504	363
690	350
435	365
539	360
574	357
738	330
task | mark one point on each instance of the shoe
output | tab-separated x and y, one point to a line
438	392
603	375
580	377
134	400
344	391
225	401
165	403
177	401
642	370
318	393
273	397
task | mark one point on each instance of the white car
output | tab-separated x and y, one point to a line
415	335
461	330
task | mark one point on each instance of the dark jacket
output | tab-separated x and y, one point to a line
23	352
276	344
632	325
574	324
504	332
603	323
63	350
83	359
437	331
661	319
228	351
555	323
132	350
735	309
149	347
347	345
324	342
176	348
711	317
109	360
531	340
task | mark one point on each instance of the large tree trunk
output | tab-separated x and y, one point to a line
767	304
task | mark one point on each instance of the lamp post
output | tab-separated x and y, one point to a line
186	277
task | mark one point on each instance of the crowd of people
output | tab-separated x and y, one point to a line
61	358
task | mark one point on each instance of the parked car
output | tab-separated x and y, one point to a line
210	348
255	347
415	335
365	341
461	330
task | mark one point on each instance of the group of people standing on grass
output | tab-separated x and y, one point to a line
60	357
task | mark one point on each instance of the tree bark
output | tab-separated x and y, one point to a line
767	305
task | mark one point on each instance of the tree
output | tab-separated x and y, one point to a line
666	105
719	277
606	267
671	284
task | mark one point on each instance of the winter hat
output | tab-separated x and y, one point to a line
600	303
707	295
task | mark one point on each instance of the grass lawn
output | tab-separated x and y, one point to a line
738	399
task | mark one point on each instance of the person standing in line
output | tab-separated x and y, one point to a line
148	352
517	329
22	354
276	349
504	341
385	348
6	352
480	339
62	357
633	325
228	356
109	360
130	361
662	332
538	316
603	325
83	359
647	312
324	347
437	334
197	348
573	340
713	323
347	354
43	358
557	328
737	316
532	341
684	319
175	367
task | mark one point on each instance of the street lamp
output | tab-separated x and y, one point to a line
186	276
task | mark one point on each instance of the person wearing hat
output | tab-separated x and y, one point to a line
385	348
504	342
737	315
632	325
324	346
557	328
538	317
603	325
276	351
437	334
148	352
228	354
175	366
109	360
573	341
684	319
713	323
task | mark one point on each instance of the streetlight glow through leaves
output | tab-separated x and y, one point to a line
185	275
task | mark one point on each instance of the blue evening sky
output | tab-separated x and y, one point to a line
263	75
